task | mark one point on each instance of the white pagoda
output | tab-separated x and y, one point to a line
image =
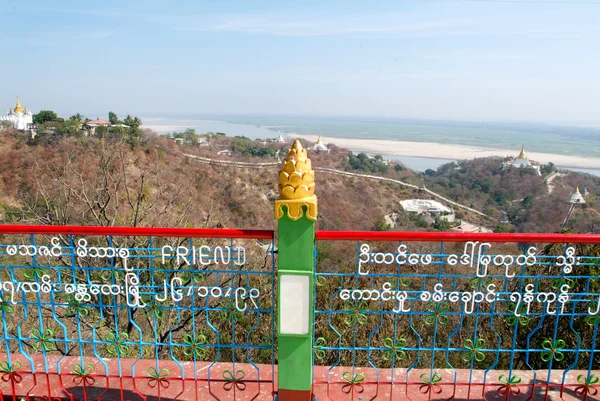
19	117
319	146
576	197
523	161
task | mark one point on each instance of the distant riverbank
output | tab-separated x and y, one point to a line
448	151
418	156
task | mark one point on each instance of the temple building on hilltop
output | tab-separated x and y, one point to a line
319	146
91	125
523	161
20	118
576	197
421	206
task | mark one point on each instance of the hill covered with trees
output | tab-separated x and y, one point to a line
122	177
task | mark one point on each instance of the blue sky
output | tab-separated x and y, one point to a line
522	60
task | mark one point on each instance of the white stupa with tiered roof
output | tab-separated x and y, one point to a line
19	117
319	146
523	161
576	197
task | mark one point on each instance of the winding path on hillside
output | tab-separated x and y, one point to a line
549	180
232	163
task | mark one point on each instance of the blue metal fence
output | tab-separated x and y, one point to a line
456	320
137	316
189	314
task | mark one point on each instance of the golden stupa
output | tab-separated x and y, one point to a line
18	108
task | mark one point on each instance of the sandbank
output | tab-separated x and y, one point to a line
165	128
448	151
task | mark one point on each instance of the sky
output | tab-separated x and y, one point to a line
490	60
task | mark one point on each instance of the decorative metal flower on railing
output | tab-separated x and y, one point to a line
354	382
401	282
430	384
437	314
557	283
152	309
188	277
117	346
592	320
512	319
9	372
112	274
229	310
35	272
510	385
394	350
195	347
475	282
158	377
234	380
474	350
267	343
44	340
83	375
318	348
355	312
553	350
321	281
74	307
5	305
588	385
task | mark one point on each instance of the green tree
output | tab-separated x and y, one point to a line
69	127
548	168
381	224
43	116
78	117
112	117
441	224
503	228
132	121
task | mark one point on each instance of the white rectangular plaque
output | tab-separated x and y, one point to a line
294	304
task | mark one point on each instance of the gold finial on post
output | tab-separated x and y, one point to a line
296	185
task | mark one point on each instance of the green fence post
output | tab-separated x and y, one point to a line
296	213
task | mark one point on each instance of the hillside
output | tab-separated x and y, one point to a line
151	182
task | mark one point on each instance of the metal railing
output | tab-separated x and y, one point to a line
165	313
456	316
136	313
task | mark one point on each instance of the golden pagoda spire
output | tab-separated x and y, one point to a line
296	185
319	141
522	154
18	108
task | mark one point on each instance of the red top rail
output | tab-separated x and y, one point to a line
456	237
138	231
320	235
